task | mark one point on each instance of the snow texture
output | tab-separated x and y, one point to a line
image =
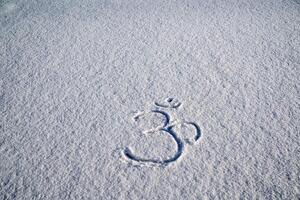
166	99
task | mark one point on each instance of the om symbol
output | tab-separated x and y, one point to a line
166	128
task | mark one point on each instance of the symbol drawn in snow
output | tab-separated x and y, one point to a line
169	103
166	128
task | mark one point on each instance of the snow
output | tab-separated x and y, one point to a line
203	94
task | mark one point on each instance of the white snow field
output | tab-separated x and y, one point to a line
149	99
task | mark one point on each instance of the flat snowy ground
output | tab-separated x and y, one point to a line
132	99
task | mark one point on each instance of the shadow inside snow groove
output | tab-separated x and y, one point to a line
198	130
167	129
169	103
180	145
166	116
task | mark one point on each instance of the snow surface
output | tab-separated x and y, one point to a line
166	99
